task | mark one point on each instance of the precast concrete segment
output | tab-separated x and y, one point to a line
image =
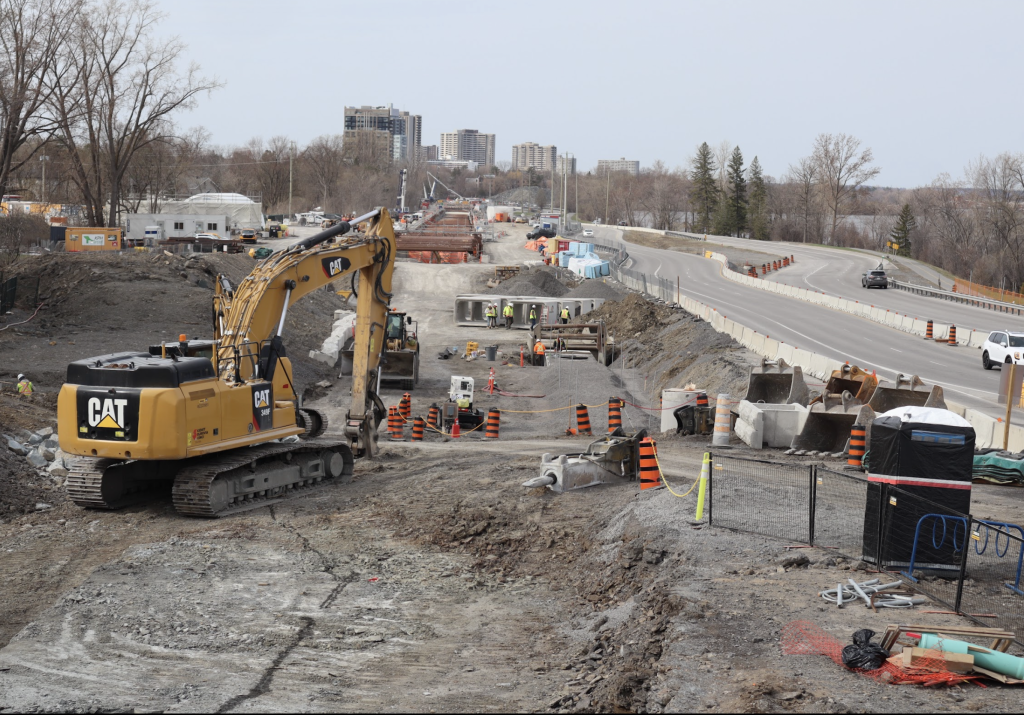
837	335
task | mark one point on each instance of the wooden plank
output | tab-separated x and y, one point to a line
953	662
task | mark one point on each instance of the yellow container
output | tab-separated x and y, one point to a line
472	346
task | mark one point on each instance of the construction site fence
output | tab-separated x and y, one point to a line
971	566
18	292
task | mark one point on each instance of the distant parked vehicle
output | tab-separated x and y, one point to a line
248	235
623	223
541	232
1001	348
588	232
876	279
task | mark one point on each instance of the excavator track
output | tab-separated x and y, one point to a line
93	483
195	492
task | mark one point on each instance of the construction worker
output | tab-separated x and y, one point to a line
24	385
507	312
563	315
492	316
538	354
533	316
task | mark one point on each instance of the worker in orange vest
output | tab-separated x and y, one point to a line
538	354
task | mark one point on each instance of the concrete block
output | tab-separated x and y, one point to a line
984	428
819	366
771	348
785	352
781	423
803	359
757	343
1016	442
750	425
671	400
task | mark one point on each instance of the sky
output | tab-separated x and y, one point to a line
928	86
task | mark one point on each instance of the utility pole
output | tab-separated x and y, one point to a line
43	160
291	163
607	191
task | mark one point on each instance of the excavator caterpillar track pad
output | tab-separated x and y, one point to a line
113	483
254	477
315	422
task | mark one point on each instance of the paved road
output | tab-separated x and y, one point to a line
829	332
838	272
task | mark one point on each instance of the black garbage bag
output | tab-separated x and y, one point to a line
864	654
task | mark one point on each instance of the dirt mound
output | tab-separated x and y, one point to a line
596	289
539	282
99	303
633	316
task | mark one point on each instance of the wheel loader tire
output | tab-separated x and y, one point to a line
985	362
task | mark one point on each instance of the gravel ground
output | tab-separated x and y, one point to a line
435	581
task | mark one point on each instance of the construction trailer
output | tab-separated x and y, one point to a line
78	239
162	227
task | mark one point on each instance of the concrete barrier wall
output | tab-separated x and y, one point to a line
892	319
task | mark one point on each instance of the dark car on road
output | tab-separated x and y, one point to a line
875	279
541	232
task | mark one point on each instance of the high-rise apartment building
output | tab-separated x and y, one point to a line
566	164
467	145
382	133
606	166
532	155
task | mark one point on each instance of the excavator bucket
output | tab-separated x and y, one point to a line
401	369
775	382
827	429
909	391
850	378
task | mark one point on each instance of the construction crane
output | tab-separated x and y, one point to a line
437	180
218	418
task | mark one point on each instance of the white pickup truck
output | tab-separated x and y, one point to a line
312	218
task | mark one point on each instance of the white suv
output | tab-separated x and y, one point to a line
1001	347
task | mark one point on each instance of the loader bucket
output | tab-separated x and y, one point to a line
775	382
909	391
850	378
828	424
401	368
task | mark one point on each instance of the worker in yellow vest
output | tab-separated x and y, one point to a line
564	315
492	316
533	316
507	312
24	385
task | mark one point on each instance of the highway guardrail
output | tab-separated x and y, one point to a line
977	301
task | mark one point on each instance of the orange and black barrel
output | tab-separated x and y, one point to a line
792	260
417	429
952	335
582	419
649	472
858	441
702	399
434	417
929	333
395	423
493	423
614	413
405	406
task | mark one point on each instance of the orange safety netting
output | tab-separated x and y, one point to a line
440	256
805	638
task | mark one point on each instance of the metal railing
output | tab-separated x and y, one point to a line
974	300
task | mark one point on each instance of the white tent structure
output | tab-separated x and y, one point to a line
242	212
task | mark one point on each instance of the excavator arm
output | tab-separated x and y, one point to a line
249	319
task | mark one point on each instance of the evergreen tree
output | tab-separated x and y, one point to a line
737	187
722	222
704	191
760	224
900	234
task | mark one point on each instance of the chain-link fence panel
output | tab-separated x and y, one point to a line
761	497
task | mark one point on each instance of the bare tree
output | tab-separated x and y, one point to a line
805	177
117	96
31	35
841	167
18	231
324	158
156	169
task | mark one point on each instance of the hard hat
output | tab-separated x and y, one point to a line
21	377
533	306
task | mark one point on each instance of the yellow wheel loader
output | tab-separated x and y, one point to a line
214	417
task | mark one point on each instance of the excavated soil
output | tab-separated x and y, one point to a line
539	282
434	581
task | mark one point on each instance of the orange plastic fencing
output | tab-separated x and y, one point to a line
805	638
983	291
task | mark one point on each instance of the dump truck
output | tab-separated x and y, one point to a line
216	419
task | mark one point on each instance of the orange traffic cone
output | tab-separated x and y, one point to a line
455	429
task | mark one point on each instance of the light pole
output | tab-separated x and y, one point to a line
43	160
607	192
291	161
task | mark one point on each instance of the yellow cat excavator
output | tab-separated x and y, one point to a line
214	416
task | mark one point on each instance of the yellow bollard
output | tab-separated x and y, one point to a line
704	470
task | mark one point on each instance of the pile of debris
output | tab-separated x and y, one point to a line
32	470
534	282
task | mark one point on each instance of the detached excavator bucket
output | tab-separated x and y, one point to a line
777	383
827	429
909	391
850	378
